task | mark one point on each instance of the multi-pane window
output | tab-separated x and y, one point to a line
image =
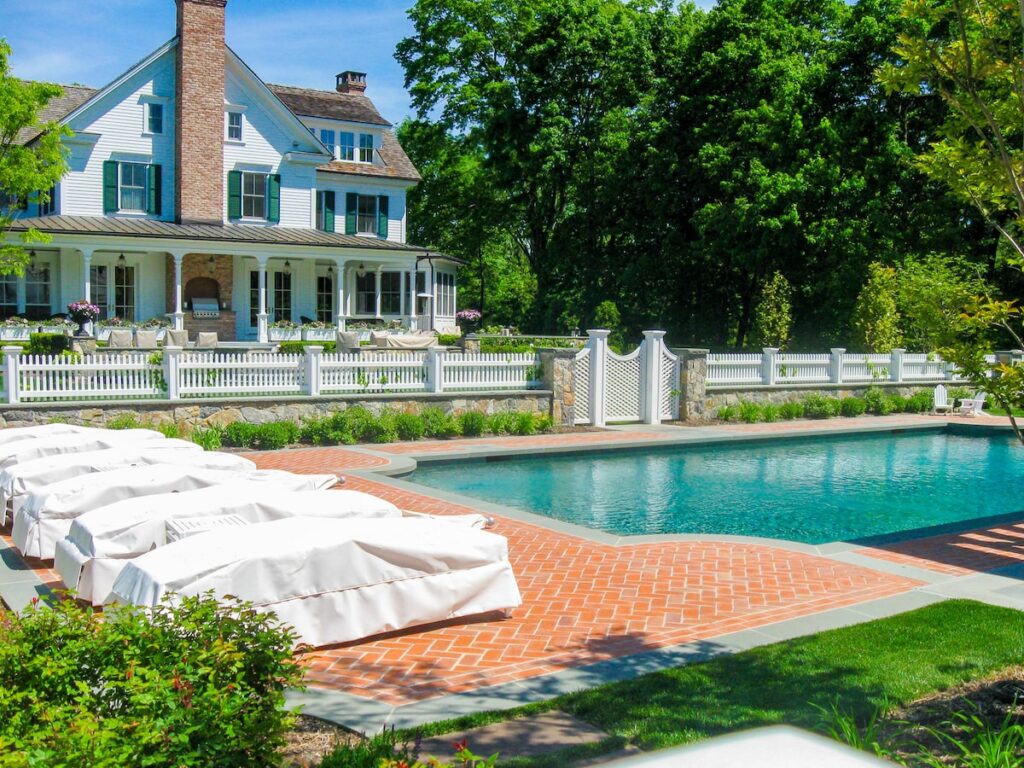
366	294
124	292
37	290
254	298
235	126
325	298
390	293
347	146
8	295
445	294
365	148
323	219
422	302
366	218
49	206
254	195
327	138
282	298
155	118
133	178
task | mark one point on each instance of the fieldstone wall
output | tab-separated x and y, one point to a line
732	396
693	374
256	411
558	373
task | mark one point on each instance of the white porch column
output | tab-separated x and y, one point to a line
376	290
178	315
339	289
262	332
431	286
401	292
87	274
412	300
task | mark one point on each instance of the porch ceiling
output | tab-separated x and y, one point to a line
221	233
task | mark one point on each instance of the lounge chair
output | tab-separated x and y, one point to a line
972	406
119	339
18	480
206	340
45	515
941	400
335	581
145	339
102	542
173	338
75	442
18	434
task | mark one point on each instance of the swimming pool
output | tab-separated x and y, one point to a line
812	490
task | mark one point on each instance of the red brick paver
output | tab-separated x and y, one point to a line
958	554
584	602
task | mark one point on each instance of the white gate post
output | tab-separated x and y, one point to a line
598	344
650	377
172	357
11	359
313	357
768	365
896	365
835	372
435	369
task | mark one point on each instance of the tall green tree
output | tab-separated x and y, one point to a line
27	171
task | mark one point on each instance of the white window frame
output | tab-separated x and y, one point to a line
360	148
121	186
322	273
49	262
372	232
350	155
227	126
253	195
53	207
333	143
149	118
444	299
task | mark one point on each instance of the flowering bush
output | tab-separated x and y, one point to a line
83	311
468	315
283	324
16	322
199	683
156	322
117	322
316	324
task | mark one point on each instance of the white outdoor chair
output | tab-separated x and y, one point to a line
972	406
942	404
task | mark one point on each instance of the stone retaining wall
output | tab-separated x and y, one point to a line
257	411
732	396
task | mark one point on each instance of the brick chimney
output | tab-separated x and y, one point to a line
199	109
351	82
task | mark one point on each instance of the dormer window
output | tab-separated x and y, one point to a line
234	126
365	148
347	146
327	139
155	117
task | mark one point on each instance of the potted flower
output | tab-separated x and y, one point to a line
82	312
15	328
317	330
160	324
284	330
468	319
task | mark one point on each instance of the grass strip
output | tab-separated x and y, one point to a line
888	661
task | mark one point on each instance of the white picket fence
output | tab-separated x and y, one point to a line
175	374
774	368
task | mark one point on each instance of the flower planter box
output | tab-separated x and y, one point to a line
285	334
65	329
318	334
15	332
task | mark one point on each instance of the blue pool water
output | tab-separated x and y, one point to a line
812	490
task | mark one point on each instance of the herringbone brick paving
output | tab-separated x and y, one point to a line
958	554
582	602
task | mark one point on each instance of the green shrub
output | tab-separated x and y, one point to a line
124	421
526	424
382	429
275	435
437	423
852	406
207	437
372	753
749	412
956	394
728	413
448	339
409	426
314	431
509	346
503	423
199	683
357	421
47	344
299	347
791	410
877	401
240	434
920	402
770	412
897	403
472	423
820	407
545	423
169	430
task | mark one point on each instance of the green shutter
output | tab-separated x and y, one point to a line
382	217
274	197
351	209
234	195
110	186
329	211
153	200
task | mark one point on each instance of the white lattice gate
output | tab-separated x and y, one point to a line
581	381
623	393
669	384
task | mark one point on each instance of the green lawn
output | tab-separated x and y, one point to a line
995	410
894	660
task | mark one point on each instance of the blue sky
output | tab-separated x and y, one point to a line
290	42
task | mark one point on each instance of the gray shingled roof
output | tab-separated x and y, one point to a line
72	98
355	107
395	164
236	233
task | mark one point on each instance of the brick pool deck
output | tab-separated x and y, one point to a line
587	601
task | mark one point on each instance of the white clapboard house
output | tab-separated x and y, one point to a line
198	192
